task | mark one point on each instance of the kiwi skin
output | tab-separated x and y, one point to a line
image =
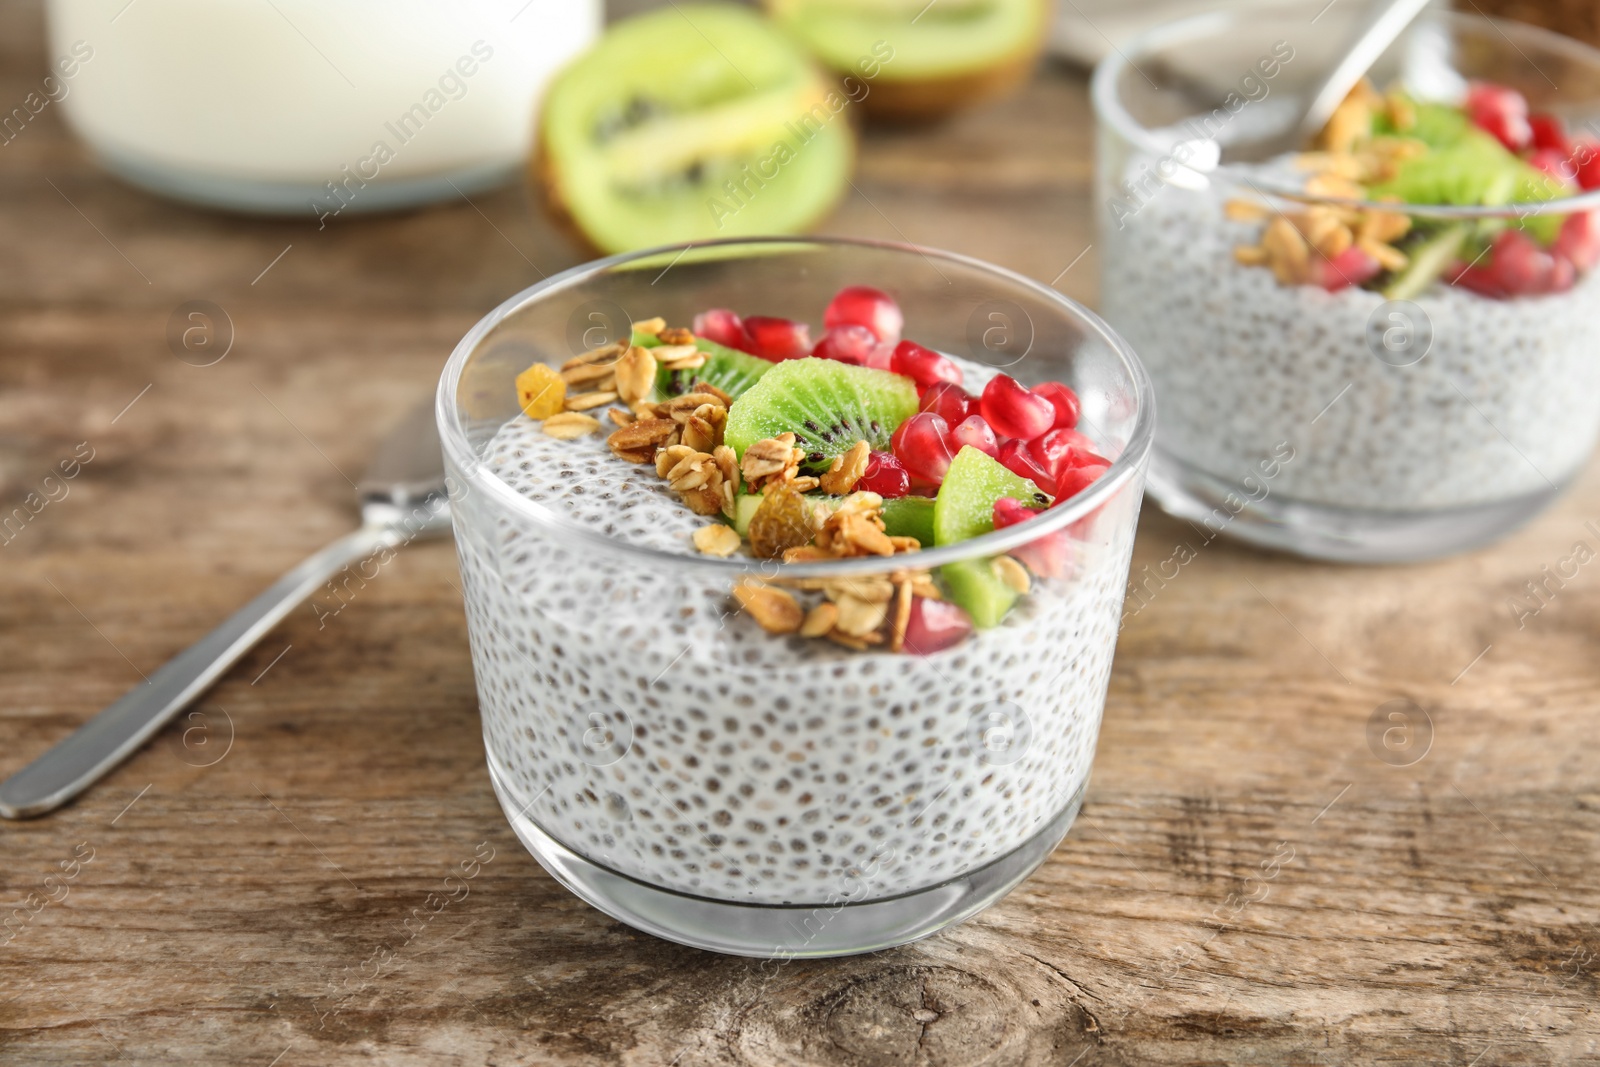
922	100
932	99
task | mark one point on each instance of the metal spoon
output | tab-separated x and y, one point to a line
1383	25
402	497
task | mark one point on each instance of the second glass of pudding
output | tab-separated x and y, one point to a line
1308	404
700	778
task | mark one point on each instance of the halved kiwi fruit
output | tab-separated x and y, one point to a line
690	122
916	60
827	405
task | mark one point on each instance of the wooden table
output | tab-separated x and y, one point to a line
1247	883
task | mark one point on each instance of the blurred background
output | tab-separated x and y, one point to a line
321	197
954	117
231	371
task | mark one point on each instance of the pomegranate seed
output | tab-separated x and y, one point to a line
1479	280
862	305
934	625
1015	457
847	344
973	431
1553	162
1008	511
1064	400
1502	112
1549	132
1519	264
1510	130
922	446
885	476
724	327
1013	411
1562	275
1350	267
1047	450
1579	242
1045	556
1586	163
1075	480
778	339
923	365
1059	450
947	400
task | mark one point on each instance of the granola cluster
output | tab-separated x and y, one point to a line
860	613
682	438
1294	243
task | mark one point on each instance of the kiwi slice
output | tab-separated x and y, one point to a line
827	405
909	516
909	59
690	122
728	369
1476	169
1428	259
744	509
964	509
1436	125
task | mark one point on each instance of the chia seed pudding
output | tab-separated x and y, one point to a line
651	714
1412	363
1507	396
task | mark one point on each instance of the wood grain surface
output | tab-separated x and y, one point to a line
1248	882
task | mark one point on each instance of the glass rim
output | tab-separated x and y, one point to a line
1109	110
458	449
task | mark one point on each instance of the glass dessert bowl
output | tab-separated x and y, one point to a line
753	686
1380	349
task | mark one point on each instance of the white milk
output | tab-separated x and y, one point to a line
315	106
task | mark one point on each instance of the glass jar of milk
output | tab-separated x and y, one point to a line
313	106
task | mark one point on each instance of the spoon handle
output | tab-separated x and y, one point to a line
80	760
1382	27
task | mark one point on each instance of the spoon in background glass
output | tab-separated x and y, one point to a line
402	497
1383	24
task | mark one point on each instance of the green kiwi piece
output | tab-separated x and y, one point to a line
1436	125
690	122
964	509
974	584
909	59
728	369
744	509
909	516
1476	169
827	405
1427	260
